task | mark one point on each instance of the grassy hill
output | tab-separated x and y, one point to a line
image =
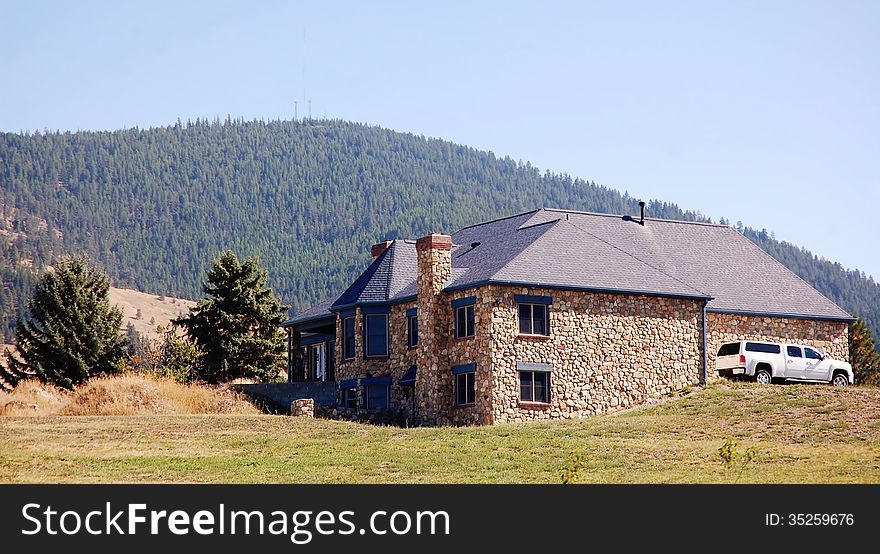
308	197
798	433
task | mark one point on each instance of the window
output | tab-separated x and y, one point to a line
812	354
464	321
533	319
317	362
376	331
412	330
465	377
534	386
348	338
465	388
794	352
377	396
349	398
763	347
729	349
464	316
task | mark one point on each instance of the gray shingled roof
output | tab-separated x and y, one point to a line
385	278
315	312
557	248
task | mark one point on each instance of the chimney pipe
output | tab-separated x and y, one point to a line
642	206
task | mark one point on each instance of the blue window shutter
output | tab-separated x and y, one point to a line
412	312
467	301
380	309
376	381
530	299
464	368
409	378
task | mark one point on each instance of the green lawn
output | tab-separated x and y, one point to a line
800	434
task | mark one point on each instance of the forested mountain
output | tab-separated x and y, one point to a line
308	197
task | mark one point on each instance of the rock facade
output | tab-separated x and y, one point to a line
832	336
302	407
400	358
604	351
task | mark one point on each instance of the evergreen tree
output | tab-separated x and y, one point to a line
307	197
71	331
863	354
237	325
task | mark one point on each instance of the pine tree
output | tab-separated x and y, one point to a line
71	331
863	354
238	324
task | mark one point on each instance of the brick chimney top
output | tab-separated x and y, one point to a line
377	249
434	241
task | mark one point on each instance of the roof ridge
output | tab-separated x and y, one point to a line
500	219
631	255
391	248
659	219
533	225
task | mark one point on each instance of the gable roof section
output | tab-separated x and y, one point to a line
385	278
544	248
602	252
736	272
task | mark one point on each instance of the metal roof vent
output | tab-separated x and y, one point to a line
641	220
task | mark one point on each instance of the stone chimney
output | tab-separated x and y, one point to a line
377	249
434	378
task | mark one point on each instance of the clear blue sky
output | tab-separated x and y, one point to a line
764	112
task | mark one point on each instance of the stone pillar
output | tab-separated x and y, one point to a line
303	407
433	379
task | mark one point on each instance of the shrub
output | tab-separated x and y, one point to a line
120	396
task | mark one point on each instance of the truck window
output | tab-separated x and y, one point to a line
763	347
794	352
812	354
729	349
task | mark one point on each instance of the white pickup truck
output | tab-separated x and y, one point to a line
766	361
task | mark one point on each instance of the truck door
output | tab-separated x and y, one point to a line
795	363
817	369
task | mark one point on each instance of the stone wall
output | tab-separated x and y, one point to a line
606	351
471	350
832	336
400	356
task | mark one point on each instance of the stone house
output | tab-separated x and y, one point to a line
550	314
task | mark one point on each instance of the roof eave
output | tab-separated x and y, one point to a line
582	288
390	302
753	313
293	322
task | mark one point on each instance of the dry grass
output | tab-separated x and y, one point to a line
32	398
159	309
125	395
800	434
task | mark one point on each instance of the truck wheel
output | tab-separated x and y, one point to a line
763	377
840	380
